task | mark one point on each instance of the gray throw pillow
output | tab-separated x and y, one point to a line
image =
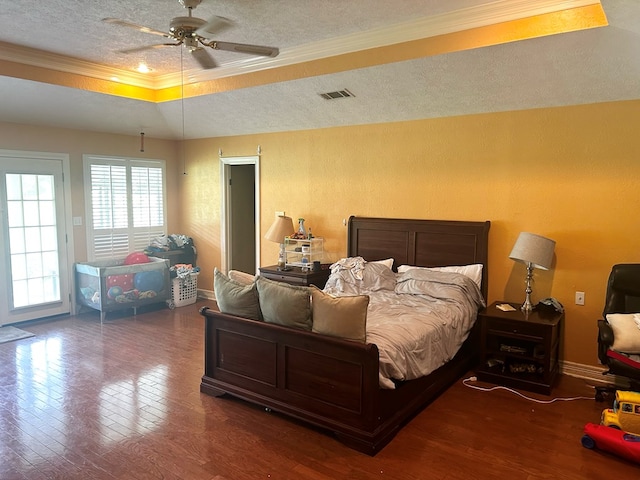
284	304
235	298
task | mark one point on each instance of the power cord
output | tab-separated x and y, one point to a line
466	383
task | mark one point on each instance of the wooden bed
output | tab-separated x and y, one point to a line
333	383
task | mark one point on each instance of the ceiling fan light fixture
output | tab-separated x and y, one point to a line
191	43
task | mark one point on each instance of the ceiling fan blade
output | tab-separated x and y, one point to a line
214	25
205	60
148	47
245	48
141	28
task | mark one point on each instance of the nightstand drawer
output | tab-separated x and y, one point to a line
290	279
496	326
297	276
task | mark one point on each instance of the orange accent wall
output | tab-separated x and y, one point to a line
568	173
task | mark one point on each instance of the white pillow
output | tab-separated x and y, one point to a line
474	272
626	332
387	262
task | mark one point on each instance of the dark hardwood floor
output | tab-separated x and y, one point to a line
121	400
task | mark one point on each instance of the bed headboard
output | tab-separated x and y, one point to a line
424	243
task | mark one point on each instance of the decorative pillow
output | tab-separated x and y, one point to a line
235	298
474	272
344	317
626	332
241	277
284	304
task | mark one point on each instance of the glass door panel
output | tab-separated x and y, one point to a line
32	239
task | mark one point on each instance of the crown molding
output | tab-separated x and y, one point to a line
464	19
62	63
500	11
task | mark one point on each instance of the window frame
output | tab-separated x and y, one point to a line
136	237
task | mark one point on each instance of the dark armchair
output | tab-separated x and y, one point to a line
623	296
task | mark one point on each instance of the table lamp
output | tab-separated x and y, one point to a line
535	251
282	227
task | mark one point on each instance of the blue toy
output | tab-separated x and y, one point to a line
114	291
151	280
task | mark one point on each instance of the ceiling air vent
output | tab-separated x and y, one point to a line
337	94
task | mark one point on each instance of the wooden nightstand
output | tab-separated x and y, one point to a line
518	350
296	276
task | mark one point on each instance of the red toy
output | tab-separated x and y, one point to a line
612	440
135	258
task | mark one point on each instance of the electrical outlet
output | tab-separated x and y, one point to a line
579	298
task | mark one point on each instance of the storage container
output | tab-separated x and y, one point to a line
303	252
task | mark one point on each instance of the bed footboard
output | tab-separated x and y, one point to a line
326	381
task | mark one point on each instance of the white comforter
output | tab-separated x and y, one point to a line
420	324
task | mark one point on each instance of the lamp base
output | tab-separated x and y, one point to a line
527	306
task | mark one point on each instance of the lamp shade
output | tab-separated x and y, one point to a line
534	249
281	227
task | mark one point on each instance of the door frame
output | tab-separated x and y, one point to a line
63	158
225	230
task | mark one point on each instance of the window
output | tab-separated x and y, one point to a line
125	205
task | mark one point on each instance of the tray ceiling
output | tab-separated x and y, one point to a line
401	60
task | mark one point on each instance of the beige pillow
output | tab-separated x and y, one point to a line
626	333
344	317
284	304
234	298
241	277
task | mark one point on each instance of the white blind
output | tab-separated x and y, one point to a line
126	208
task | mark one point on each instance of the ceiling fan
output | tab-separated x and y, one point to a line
195	34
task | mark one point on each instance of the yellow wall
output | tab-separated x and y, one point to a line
567	173
570	174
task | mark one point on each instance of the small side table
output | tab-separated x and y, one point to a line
519	350
298	276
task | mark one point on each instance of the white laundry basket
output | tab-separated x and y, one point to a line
184	291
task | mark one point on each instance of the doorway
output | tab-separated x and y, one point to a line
240	225
35	212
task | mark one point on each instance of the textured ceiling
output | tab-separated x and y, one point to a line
588	66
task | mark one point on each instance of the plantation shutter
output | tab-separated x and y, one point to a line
127	208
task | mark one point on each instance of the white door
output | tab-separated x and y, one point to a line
34	282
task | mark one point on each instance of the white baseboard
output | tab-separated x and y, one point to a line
587	372
592	374
208	294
